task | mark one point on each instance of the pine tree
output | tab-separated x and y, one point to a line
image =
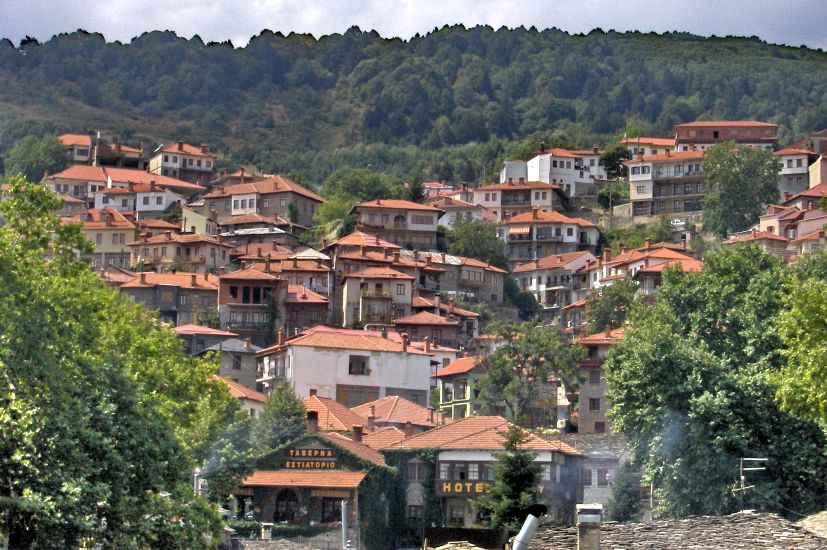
516	477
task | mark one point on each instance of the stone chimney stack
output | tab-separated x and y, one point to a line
372	417
143	278
194	279
589	517
407	429
427	344
246	343
647	243
313	423
404	343
281	337
357	433
534	211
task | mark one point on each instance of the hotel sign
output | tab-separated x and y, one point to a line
461	487
310	459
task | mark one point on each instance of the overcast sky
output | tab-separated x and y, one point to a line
793	22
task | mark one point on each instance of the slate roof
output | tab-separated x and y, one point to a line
748	530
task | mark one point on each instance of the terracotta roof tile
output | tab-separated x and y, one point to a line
425	318
103	218
180	279
271	185
516	185
383	437
395	204
350	339
300	294
660	142
674	155
738	123
688	265
477	432
791	151
359	449
755	236
545	217
814	236
602	338
460	366
398	410
81	140
551	262
379	273
248	274
243	392
191	330
122	176
253	217
179	238
418	302
333	416
151	223
186	149
324	479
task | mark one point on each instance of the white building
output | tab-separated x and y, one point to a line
794	176
648	146
537	234
514	197
351	366
574	171
183	161
554	279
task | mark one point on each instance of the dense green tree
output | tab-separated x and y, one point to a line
660	230
105	416
802	383
609	306
740	182
516	478
612	160
283	419
360	184
33	157
477	239
690	386
517	372
613	194
332	210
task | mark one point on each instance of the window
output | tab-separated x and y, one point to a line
545	195
415	471
99	238
798	163
599	427
456	515
422	220
546	471
699	188
236	362
414	513
594	404
105	200
159	200
641	189
114	238
594	376
146	200
645	169
235	204
400	290
358	365
554	164
568	164
252	203
243	204
487	472
461	471
163	251
209	164
265	203
233	291
183	299
676	205
536	195
283	201
122	238
570	231
198	162
488	196
635	170
586	477
602	477
124	203
444	470
189	161
473	471
227	206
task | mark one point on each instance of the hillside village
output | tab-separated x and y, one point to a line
382	333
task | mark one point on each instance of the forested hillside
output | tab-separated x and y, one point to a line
446	105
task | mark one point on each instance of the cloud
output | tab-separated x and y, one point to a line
793	22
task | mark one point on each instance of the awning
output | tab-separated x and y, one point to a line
326	479
519	230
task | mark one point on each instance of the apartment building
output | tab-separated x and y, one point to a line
304	308
574	172
465	277
275	196
408	224
453	208
78	147
456	382
183	161
514	197
666	183
251	303
180	298
794	177
647	146
553	280
110	233
145	200
592	406
703	134
537	234
169	250
376	295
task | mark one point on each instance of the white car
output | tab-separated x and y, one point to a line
677	223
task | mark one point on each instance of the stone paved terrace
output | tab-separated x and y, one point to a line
742	531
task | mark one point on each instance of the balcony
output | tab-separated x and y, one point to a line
548	236
509	201
375	294
676	172
248	325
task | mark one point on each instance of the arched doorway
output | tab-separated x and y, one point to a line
287	507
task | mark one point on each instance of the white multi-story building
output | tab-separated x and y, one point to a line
183	161
554	279
667	183
574	171
794	176
537	234
514	197
408	224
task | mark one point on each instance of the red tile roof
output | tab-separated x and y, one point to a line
383	437
396	204
819	190
103	218
333	416
81	140
398	410
253	217
418	302
460	366
517	185
576	305
425	318
379	273
477	433
630	256
324	479
192	330
685	265
179	238
248	274
101	174
333	338
360	238
115	148
814	236
551	262
271	185
179	279
660	142
151	223
300	294
792	151
755	236
359	449
243	392
186	149
602	338
545	217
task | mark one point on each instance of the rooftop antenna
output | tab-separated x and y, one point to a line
743	485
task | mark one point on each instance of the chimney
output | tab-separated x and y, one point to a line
295	263
407	429
683	244
281	342
384	331
362	250
313	422
194	280
372	417
180	145
668	153
313	392
221	271
534	211
647	243
607	254
404	343
431	414
786	196
753	232
203	147
258	252
510	180
589	517
427	344
450	304
396	256
220	238
143	278
624	250
267	265
436	303
595	150
521	180
427	260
